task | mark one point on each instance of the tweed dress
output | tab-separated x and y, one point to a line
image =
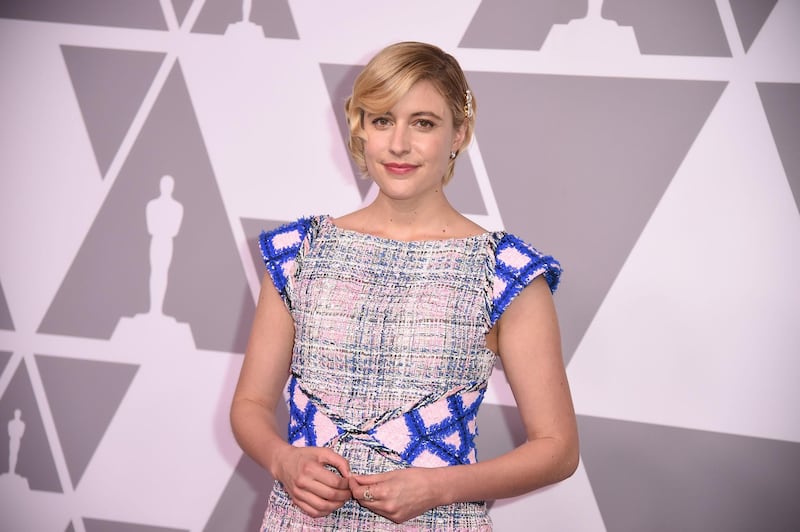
390	364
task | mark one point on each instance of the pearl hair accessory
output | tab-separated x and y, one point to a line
468	112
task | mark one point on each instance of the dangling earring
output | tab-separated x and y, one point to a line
452	155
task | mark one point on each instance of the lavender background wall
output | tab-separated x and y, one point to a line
651	146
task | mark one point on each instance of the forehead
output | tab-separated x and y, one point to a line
422	96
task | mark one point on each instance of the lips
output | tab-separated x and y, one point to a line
399	168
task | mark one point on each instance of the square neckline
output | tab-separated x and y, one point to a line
328	221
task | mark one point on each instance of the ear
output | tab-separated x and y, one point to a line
458	138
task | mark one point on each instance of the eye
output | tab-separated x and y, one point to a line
425	124
381	122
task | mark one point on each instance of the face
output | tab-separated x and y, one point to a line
407	148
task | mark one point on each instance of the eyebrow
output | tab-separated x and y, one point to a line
418	114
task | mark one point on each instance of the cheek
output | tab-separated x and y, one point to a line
369	152
370	157
437	149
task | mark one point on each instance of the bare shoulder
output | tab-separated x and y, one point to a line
353	220
464	227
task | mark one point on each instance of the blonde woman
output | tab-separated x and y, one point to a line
383	326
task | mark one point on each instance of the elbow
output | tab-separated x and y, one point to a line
564	459
570	459
571	464
236	418
233	420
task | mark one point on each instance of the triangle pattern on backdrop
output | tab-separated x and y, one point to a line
169	144
781	103
243	501
244	497
102	525
271	18
750	17
659	478
518	25
252	229
339	81
5	314
667	27
5	356
145	14
35	460
181	8
582	173
83	395
109	86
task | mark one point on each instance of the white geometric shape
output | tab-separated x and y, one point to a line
775	54
492	220
243	98
591	36
154	330
568	505
700	328
380	25
174	424
50	177
16	504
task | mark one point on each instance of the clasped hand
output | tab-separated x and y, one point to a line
319	482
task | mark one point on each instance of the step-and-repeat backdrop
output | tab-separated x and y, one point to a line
651	146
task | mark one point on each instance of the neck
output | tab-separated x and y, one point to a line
408	219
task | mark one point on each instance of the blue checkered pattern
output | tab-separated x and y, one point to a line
517	264
279	249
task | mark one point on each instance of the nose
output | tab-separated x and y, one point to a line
399	142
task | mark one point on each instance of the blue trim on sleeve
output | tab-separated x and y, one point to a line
517	264
281	246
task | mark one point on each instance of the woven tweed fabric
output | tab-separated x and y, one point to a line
385	328
438	432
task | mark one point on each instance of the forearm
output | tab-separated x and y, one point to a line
532	465
255	429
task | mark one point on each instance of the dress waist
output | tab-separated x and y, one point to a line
436	431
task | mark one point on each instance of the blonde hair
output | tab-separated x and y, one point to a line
390	74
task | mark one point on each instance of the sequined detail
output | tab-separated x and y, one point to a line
390	362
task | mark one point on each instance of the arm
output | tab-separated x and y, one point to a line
528	340
312	487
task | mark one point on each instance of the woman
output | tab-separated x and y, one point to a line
386	323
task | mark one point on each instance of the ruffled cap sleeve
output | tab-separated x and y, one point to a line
281	249
517	264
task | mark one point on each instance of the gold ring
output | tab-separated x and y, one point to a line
368	495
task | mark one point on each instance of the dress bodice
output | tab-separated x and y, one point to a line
390	362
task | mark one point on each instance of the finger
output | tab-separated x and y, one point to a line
332	479
326	485
355	485
363	493
373	479
337	494
334	459
319	499
368	496
329	495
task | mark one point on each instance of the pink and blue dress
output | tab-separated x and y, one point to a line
390	363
